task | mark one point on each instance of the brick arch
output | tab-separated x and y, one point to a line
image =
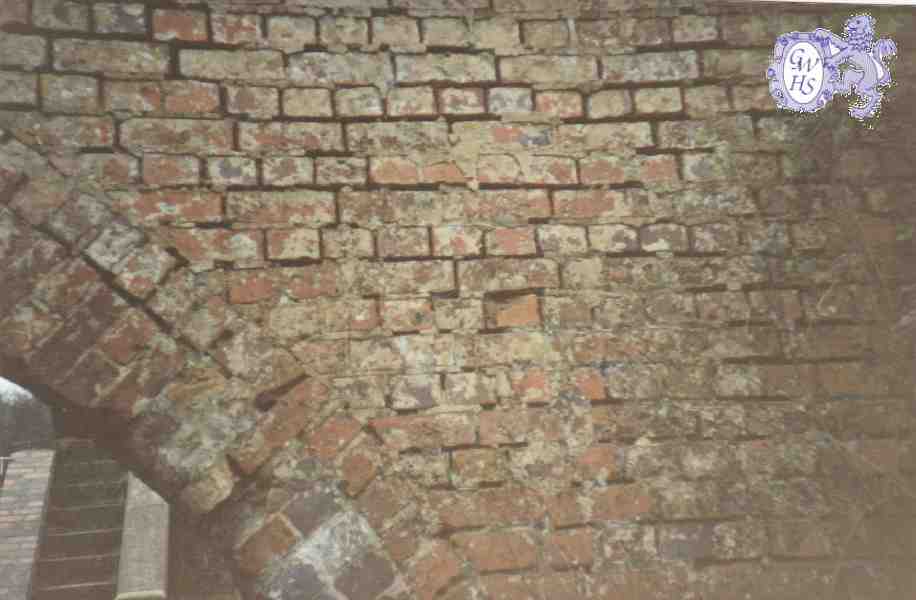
401	321
104	324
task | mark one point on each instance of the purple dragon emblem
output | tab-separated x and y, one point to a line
805	74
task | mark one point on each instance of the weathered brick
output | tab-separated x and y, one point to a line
510	100
157	207
109	56
293	244
18	88
110	171
191	97
167	170
495	274
204	246
446	31
340	171
474	467
70	93
119	18
413	101
290	34
651	66
358	102
461	101
609	103
434	569
510	241
416	391
548	69
241	65
545	34
15	11
255	102
460	314
496	32
184	25
288	170
559	104
133	96
290	138
658	100
403	241
307	102
344	30
407	315
396	138
395	31
507	169
231	170
734	63
702	100
497	551
627	502
415	431
182	136
517	311
311	208
321	68
613	238
695	28
345	241
405	277
276	537
663	237
516	346
570	549
29	51
457	68
235	29
457	240
60	14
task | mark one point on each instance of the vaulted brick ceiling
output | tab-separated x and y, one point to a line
432	299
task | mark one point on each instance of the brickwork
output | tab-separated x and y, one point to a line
460	299
23	498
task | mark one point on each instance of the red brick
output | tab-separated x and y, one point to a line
128	337
659	168
333	436
508	505
394	170
517	311
403	242
505	586
309	208
559	104
532	386
474	467
14	11
601	463
381	502
204	246
191	136
275	538
166	170
251	287
511	241
570	549
497	551
598	169
589	383
621	503
565	509
183	25
191	97
359	468
434	570
457	240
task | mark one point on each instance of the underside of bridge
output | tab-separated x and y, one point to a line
484	299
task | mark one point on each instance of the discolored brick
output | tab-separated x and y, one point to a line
497	551
457	68
358	102
18	88
191	97
242	65
461	101
109	56
166	170
184	25
60	15
236	29
395	31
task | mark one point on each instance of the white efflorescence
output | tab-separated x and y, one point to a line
10	393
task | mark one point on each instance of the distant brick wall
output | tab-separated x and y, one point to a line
463	298
23	499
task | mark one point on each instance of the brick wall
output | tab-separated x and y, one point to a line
23	498
466	299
